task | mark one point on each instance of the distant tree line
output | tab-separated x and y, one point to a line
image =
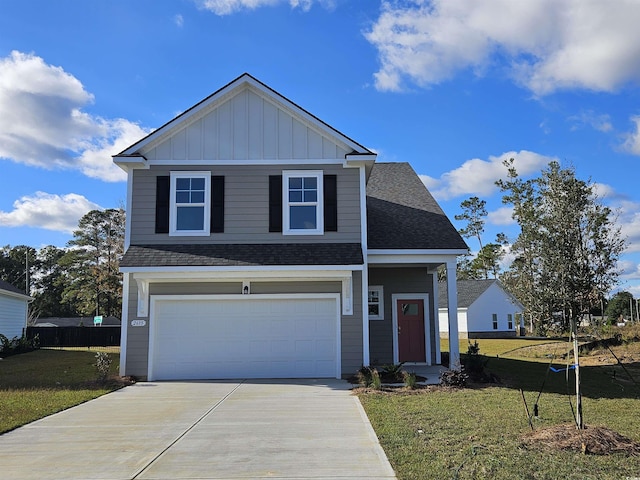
82	279
564	258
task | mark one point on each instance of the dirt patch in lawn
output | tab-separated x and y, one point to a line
590	440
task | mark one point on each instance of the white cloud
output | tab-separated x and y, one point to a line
478	177
632	139
545	45
227	7
589	118
178	20
501	216
43	125
52	212
629	270
629	221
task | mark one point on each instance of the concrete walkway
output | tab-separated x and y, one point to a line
202	430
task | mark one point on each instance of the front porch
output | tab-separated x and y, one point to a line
430	372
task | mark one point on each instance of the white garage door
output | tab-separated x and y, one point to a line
250	336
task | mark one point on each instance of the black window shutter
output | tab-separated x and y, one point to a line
330	203
162	204
275	203
217	204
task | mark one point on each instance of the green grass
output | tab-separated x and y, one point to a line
477	432
503	346
36	384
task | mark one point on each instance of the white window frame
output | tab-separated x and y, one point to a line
173	216
509	321
494	321
319	203
380	291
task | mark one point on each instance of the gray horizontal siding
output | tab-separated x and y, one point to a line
351	325
246	206
396	281
137	338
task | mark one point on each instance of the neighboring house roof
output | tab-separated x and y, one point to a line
468	292
74	321
243	255
402	214
7	288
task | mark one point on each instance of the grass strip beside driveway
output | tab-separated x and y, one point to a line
477	432
40	383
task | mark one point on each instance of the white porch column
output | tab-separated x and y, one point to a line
124	324
436	315
452	307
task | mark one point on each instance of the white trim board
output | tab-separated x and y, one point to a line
144	279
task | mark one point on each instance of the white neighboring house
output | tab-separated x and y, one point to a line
13	310
485	310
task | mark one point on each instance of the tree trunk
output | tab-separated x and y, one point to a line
579	421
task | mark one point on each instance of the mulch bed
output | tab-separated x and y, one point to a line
590	440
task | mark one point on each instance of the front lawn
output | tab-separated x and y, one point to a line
477	432
36	384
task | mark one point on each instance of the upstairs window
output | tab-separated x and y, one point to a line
302	202
190	203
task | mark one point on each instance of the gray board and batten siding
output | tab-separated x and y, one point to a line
246	126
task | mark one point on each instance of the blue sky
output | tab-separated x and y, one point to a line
451	86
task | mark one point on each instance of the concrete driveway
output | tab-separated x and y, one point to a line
205	430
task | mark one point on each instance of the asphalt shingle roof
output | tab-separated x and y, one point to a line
402	214
214	255
468	292
10	288
76	321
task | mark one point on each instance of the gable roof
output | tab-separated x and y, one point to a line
234	255
402	214
319	128
469	291
7	288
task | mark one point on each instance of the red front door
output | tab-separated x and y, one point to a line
411	346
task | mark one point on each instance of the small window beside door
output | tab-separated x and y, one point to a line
376	303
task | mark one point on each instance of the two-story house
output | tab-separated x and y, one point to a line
263	243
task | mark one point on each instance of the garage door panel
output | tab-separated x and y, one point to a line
244	338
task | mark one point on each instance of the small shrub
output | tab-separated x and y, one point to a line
473	362
454	378
18	345
103	364
364	376
393	370
376	381
5	344
409	379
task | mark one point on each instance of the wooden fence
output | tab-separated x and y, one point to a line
106	336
